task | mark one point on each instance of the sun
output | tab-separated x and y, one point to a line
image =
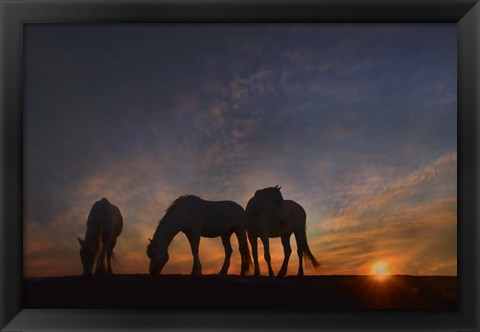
381	269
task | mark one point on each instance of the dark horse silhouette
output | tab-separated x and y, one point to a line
197	217
268	215
104	225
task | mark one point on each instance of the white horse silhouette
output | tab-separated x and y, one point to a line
104	225
268	215
197	217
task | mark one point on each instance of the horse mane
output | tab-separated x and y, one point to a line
176	202
269	189
253	205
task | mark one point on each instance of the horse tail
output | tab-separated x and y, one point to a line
244	249
116	259
308	257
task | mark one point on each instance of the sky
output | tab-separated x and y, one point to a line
356	122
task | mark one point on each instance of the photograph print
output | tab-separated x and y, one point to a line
240	166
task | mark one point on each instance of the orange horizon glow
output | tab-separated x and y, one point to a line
339	251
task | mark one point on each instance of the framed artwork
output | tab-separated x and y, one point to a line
266	165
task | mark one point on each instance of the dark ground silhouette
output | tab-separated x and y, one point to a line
176	292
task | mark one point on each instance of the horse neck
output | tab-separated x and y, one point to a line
166	231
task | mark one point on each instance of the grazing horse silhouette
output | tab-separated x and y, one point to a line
104	225
268	215
197	217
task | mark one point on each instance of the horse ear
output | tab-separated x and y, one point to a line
279	188
149	239
80	241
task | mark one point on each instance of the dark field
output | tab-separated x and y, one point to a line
232	292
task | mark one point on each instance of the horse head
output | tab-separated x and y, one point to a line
270	202
158	258
87	254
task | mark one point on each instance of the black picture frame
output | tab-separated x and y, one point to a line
14	14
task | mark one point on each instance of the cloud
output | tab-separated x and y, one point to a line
375	189
375	218
389	223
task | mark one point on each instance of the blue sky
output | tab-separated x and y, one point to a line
356	122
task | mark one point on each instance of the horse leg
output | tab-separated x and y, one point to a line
287	250
109	263
300	248
194	244
266	254
100	268
228	253
101	263
109	256
253	243
103	258
244	251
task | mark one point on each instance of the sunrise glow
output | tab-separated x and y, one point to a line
381	269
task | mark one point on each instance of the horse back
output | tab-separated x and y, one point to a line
223	210
105	218
219	214
295	213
